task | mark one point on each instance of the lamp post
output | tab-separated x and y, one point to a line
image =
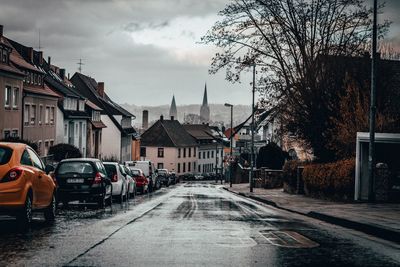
252	129
371	153
231	144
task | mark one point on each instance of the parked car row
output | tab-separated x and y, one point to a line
27	185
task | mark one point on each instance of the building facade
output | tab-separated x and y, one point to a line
169	146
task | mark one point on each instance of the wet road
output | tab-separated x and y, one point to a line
189	224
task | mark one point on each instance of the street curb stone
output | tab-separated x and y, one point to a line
370	229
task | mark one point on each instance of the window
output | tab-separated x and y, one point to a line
199	168
190	152
184	153
40	115
26	114
160	153
160	165
208	154
46	115
6	133
7	97
26	159
46	147
194	152
212	154
184	167
52	115
35	160
179	152
81	105
14	133
33	114
179	167
189	165
143	151
194	166
204	154
199	155
15	97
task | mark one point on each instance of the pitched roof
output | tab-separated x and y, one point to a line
199	131
167	133
40	91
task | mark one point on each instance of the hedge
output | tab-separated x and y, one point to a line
330	180
290	175
64	151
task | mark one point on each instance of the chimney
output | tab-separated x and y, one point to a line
40	58
62	74
145	119
172	118
30	54
49	60
68	75
1	30
100	88
161	118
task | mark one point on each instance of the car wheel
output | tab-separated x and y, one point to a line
50	211
25	216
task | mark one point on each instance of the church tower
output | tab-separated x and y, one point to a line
172	109
205	109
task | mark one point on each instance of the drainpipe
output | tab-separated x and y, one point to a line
22	111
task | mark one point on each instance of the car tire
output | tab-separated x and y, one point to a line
50	211
24	217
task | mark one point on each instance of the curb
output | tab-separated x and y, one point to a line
384	233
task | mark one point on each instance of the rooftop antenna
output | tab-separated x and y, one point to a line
80	63
39	48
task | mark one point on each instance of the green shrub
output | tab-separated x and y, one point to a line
331	180
64	151
290	175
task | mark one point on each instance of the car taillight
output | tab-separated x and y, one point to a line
12	175
114	178
97	179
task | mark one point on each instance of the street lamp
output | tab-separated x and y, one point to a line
231	143
252	129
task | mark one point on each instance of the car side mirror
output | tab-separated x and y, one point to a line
49	168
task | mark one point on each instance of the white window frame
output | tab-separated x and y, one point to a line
7	96
32	119
27	117
15	97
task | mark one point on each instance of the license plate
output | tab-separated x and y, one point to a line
75	181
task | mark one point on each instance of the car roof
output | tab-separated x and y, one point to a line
81	159
109	162
13	145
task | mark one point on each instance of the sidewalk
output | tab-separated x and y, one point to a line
381	220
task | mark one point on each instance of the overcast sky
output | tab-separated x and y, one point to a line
144	50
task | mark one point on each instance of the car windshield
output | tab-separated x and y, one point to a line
135	172
75	167
5	155
110	169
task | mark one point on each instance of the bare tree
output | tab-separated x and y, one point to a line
289	41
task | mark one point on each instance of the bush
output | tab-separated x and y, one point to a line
290	175
64	151
19	140
331	180
271	156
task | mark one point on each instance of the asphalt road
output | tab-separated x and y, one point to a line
190	224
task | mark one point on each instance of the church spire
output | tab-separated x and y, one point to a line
172	110
205	100
205	109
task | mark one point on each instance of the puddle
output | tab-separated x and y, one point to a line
288	239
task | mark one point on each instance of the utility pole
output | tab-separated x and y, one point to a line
372	112
252	129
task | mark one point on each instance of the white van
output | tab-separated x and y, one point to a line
149	171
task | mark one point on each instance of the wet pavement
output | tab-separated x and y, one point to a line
189	224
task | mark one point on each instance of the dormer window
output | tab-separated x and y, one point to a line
81	105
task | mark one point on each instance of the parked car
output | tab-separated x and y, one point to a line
119	182
149	171
163	175
25	184
83	179
131	182
141	180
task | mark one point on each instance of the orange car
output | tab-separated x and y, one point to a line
25	184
